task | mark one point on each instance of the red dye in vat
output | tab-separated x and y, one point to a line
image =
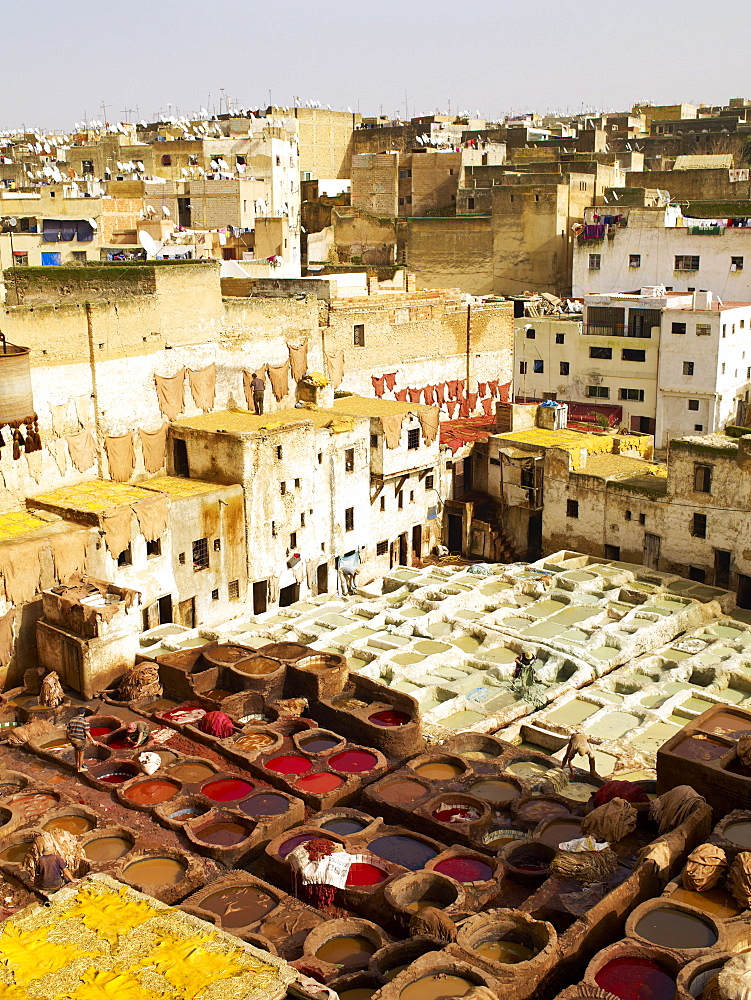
118	744
389	717
456	814
289	765
226	789
353	761
465	869
636	979
320	783
361	873
99	731
116	777
152	792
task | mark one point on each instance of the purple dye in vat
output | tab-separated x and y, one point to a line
636	979
408	852
343	826
265	805
289	845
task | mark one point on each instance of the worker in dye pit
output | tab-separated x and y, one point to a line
135	734
78	732
578	746
523	665
51	873
258	385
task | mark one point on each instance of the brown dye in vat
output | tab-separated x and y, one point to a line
560	831
222	834
505	952
152	792
167	757
716	902
238	905
494	791
254	741
402	791
351	952
155	871
191	773
56	745
535	811
739	833
700	748
439	986
216	694
360	993
422	904
16	854
393	973
72	824
107	849
33	804
727	724
438	770
675	929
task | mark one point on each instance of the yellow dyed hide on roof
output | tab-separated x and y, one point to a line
105	941
574	441
18	522
94	496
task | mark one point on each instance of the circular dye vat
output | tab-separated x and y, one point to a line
739	833
717	901
675	928
464	869
351	952
700	748
527	769
238	905
319	744
405	851
152	792
33	803
402	791
167	757
289	845
437	987
105	849
99	732
222	834
180	713
535	811
456	812
227	789
359	993
428	647
353	761
362	873
343	826
289	764
254	741
494	791
116	777
438	770
389	717
559	831
320	783
156	871
631	978
265	805
191	773
56	744
188	812
16	854
120	744
505	952
76	825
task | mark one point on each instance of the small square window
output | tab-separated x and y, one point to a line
320	458
642	518
598	392
400	499
383	503
697	573
531	334
629	354
702	478
413	438
470	202
698	427
217	545
693	404
302	519
279	452
293	540
297	483
688	368
601	352
201	554
214	595
373	440
282	488
736	263
522	367
429	482
594	261
181	558
382	548
538	366
349	519
572	508
703	330
125	558
634	260
627	515
560	338
154	548
359	335
233	590
564	366
699	525
678	328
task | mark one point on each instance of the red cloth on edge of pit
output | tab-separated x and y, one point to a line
621	790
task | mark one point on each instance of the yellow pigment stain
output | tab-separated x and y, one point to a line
31	955
108	986
174	486
18	522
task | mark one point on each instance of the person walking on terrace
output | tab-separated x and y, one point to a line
258	385
78	732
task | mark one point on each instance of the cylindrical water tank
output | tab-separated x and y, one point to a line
16	399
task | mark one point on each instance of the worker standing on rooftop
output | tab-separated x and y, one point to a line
258	386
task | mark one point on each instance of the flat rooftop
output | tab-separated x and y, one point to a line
244	422
363	406
97	496
610	466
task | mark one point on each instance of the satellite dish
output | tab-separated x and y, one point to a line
13	222
149	244
93	224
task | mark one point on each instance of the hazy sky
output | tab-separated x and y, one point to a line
63	59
